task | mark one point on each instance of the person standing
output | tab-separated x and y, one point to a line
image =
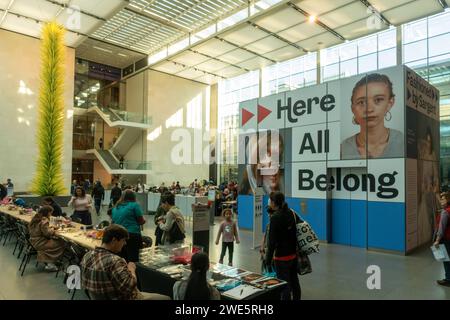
229	232
282	245
173	222
121	160
9	183
3	192
116	193
128	214
82	204
73	187
100	143
442	235
87	185
160	212
98	193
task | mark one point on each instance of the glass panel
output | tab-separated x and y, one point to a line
439	24
439	45
367	63
415	51
367	45
415	31
349	68
329	56
387	39
387	58
417	64
297	80
348	51
310	77
310	61
330	72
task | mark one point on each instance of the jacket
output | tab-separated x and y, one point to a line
282	240
98	192
116	193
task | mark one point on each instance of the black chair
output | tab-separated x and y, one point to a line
29	251
77	254
103	224
9	228
22	237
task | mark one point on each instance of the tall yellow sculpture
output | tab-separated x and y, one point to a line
49	175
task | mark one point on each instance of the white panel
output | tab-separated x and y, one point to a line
190	58
308	172
38	9
236	56
359	29
410	12
72	39
208	79
214	47
280	20
244	35
22	25
270	104
266	45
169	67
301	31
320	41
212	65
285	53
230	72
255	63
317	7
4	4
345	15
390	179
383	5
190	73
316	142
100	8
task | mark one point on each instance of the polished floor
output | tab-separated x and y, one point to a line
339	272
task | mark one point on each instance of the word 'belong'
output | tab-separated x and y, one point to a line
301	107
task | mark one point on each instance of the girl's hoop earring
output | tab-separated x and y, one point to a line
388	116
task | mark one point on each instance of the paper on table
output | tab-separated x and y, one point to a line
440	253
241	292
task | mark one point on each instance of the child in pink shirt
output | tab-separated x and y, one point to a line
229	232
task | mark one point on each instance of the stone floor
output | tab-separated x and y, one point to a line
339	272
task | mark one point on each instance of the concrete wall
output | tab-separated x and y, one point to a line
19	87
177	107
101	174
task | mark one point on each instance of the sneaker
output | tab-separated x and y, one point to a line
230	264
221	261
444	282
51	268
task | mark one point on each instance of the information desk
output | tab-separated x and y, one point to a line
152	280
74	234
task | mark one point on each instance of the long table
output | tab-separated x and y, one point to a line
74	234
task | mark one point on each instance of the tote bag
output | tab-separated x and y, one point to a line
307	241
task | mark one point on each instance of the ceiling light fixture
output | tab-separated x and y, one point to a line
312	19
102	49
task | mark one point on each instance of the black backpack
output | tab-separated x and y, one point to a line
175	233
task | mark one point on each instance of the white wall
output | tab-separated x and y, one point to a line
20	65
168	95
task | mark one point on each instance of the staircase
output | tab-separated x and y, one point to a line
112	165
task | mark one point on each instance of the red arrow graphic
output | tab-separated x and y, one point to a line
246	116
263	112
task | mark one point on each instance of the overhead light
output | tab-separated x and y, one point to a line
312	19
102	49
122	55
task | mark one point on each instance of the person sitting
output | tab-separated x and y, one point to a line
172	223
57	211
196	287
106	276
49	250
3	192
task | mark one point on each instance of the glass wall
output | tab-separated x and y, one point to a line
231	92
289	75
426	49
358	56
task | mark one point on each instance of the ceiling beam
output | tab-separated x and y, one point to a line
6	12
317	21
443	4
243	48
157	19
196	69
273	34
65	6
376	12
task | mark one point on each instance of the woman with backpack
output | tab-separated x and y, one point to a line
442	235
172	223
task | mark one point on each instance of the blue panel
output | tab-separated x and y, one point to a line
358	227
316	214
340	221
265	214
387	226
245	212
